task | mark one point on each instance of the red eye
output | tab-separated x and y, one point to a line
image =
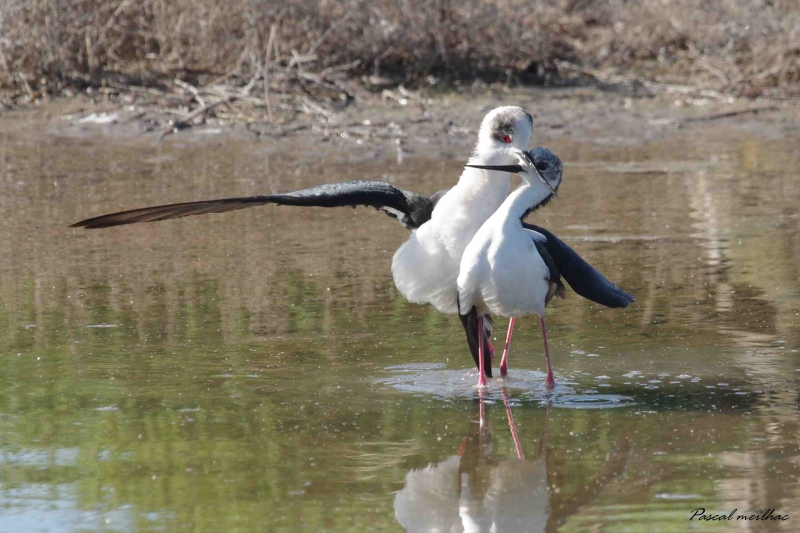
506	139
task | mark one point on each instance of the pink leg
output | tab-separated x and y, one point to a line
551	382
542	452
513	427
482	377
482	410
482	432
504	361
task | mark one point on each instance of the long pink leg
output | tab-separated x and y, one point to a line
504	361
482	377
484	430
551	382
512	426
542	452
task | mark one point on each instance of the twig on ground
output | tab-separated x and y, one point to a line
134	88
186	122
307	103
298	58
192	89
734	113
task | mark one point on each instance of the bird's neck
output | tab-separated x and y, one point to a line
524	197
486	187
481	192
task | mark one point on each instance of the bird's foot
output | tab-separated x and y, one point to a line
503	371
550	382
482	382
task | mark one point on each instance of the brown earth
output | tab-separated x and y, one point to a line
440	126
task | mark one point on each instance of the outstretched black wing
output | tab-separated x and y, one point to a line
411	209
581	276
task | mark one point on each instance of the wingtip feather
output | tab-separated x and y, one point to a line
626	299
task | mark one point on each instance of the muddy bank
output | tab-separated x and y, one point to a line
436	126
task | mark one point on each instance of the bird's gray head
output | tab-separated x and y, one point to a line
537	165
549	166
504	127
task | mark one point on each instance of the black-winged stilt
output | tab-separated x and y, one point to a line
426	267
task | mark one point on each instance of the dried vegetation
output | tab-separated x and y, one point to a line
271	60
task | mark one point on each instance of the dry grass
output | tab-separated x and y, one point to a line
317	49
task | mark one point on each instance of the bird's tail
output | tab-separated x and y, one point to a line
470	323
425	272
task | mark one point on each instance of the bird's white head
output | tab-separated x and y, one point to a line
503	128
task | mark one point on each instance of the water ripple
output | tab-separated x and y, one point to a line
521	386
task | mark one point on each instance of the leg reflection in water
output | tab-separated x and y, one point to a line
474	491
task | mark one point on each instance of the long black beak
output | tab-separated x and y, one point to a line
552	190
516	169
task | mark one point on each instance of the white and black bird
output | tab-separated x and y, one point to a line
426	267
506	269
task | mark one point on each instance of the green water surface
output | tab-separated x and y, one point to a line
258	371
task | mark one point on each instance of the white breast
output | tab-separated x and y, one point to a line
517	283
501	272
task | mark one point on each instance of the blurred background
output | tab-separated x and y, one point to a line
739	47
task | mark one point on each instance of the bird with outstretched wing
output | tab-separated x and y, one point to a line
411	209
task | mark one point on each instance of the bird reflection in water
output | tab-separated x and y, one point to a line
475	492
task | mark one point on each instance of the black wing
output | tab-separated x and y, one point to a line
556	285
581	276
470	323
411	209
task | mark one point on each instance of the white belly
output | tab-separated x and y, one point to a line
503	274
425	271
425	268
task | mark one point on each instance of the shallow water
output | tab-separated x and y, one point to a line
257	371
